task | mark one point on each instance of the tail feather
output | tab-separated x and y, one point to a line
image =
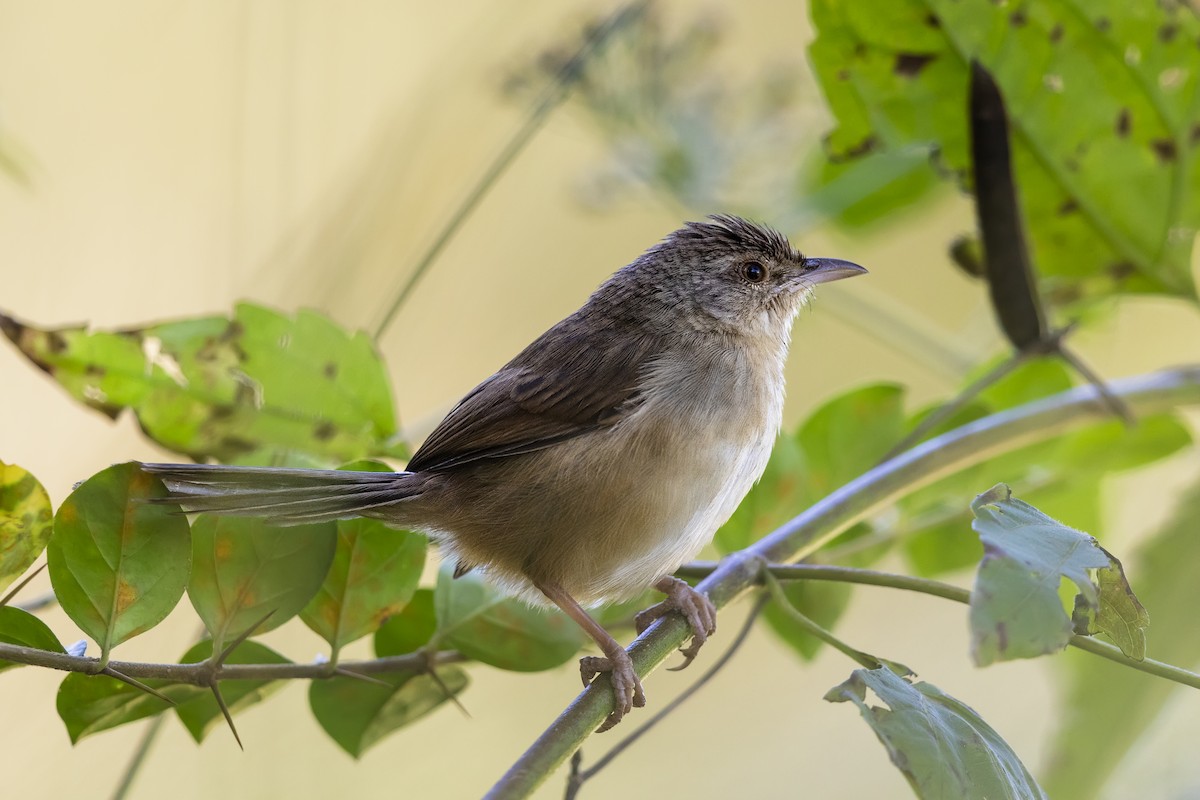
284	496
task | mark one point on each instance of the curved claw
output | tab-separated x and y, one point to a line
626	686
695	607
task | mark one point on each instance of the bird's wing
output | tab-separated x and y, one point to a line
567	383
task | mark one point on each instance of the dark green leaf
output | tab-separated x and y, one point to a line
118	563
375	571
479	621
201	713
357	714
945	750
21	627
1102	114
410	630
1015	608
89	704
244	568
219	387
1108	707
25	521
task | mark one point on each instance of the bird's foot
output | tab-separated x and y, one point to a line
626	686
695	607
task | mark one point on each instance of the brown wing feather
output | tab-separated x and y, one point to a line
570	381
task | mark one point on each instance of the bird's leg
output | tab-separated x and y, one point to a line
695	607
627	687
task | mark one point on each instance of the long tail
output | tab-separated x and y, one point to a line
285	496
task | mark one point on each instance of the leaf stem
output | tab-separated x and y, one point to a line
970	444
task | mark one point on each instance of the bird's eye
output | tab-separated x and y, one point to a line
754	272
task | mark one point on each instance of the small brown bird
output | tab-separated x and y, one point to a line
604	455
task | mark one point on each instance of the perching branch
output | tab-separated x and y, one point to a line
205	673
973	443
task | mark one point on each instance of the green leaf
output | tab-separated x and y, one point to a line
25	521
374	573
410	630
1015	608
942	746
1101	104
89	704
849	435
200	714
480	622
118	564
1061	476
21	627
357	714
1119	614
244	568
217	387
1107	707
859	192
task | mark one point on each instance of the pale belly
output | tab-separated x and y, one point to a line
606	514
660	483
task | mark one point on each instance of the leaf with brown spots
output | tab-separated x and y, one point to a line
243	569
25	521
1102	98
374	573
221	387
118	564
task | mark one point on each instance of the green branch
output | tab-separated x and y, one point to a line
973	443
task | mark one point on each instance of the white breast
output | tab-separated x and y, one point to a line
726	414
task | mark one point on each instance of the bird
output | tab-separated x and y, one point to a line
603	456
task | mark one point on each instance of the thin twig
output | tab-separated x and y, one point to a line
578	777
1118	408
24	582
823	572
554	96
950	408
201	673
973	443
775	590
139	757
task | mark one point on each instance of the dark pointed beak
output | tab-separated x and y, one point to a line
824	270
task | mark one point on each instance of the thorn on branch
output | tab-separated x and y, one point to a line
216	690
112	673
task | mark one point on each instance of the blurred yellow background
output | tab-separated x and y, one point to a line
183	155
